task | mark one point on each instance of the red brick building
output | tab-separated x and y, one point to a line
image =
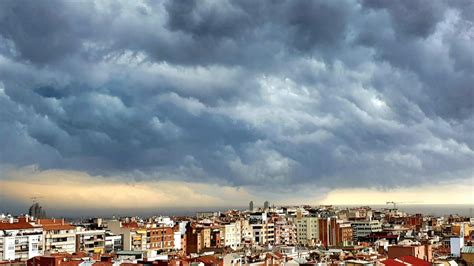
333	232
160	238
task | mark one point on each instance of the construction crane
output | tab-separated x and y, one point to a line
398	202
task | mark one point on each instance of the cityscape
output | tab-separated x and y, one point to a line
236	132
266	235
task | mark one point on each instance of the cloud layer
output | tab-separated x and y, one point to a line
281	95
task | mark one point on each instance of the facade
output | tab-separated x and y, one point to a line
456	243
364	228
467	254
59	236
284	232
423	252
232	235
264	233
90	241
160	238
334	232
138	239
199	237
20	240
306	229
246	232
113	243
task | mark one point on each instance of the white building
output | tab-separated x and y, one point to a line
113	242
58	235
365	228
232	235
20	240
456	243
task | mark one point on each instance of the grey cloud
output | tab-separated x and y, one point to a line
258	94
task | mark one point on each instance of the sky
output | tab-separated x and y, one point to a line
210	104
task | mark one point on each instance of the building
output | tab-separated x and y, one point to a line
232	235
160	238
232	259
180	235
285	233
266	205
20	240
306	229
263	233
59	236
423	252
113	242
467	254
133	237
90	241
251	206
199	237
456	243
364	228
246	232
334	232
36	211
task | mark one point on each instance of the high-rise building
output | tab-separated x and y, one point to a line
251	206
266	205
37	211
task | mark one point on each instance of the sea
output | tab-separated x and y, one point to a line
439	210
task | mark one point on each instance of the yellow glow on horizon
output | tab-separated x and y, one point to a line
79	190
462	193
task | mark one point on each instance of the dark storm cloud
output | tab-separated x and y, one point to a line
325	93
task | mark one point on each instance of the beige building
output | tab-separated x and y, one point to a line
306	229
264	233
90	241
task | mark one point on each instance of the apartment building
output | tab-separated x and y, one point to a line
20	240
199	237
160	238
264	233
113	243
59	236
306	229
138	239
232	235
365	228
284	232
133	237
90	241
334	232
246	232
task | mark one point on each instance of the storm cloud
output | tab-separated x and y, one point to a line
257	94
